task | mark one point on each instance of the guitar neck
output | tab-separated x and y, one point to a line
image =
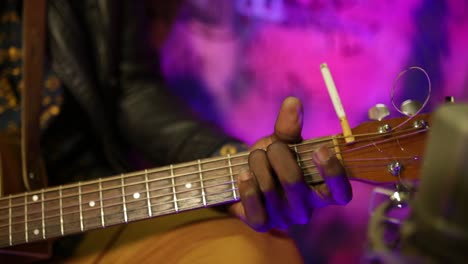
75	208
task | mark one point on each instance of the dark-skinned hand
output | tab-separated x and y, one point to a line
273	192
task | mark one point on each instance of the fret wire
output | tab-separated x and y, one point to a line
43	218
135	183
156	180
123	199
232	176
163	203
214	185
9	221
61	210
167	211
101	202
210	186
167	202
150	213
160	179
174	189
162	212
26	218
297	155
194	189
165	178
81	207
139	173
205	186
201	183
171	209
159	196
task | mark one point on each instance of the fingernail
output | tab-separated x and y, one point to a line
244	176
322	155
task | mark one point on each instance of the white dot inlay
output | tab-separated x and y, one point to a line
188	185
92	203
136	195
36	232
35	198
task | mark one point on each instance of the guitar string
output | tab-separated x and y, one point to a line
185	166
312	181
310	175
211	202
188	189
194	182
130	195
385	140
128	185
194	174
193	163
144	208
20	239
142	199
151	197
193	189
426	101
161	179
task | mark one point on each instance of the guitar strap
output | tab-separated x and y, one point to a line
33	42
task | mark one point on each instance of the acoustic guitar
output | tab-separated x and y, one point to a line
384	152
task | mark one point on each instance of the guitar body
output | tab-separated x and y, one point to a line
175	239
10	183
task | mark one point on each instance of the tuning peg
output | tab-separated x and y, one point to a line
378	112
449	99
410	107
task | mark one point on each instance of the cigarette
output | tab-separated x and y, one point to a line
327	77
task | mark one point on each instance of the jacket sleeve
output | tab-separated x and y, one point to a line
150	118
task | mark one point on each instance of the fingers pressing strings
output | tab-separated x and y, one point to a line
337	188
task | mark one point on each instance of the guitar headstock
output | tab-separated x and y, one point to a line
386	151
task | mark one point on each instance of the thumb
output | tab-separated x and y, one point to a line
288	125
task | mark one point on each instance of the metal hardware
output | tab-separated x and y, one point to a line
420	124
384	129
378	112
401	196
395	168
410	107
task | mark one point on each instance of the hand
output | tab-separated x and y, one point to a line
273	192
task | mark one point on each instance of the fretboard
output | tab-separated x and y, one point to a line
74	208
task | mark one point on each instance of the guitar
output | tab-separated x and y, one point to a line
384	152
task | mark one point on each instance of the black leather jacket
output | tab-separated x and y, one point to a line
117	102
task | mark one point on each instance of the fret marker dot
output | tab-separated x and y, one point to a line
35	198
188	185
36	232
92	203
136	195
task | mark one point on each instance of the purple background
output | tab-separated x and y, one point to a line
235	61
